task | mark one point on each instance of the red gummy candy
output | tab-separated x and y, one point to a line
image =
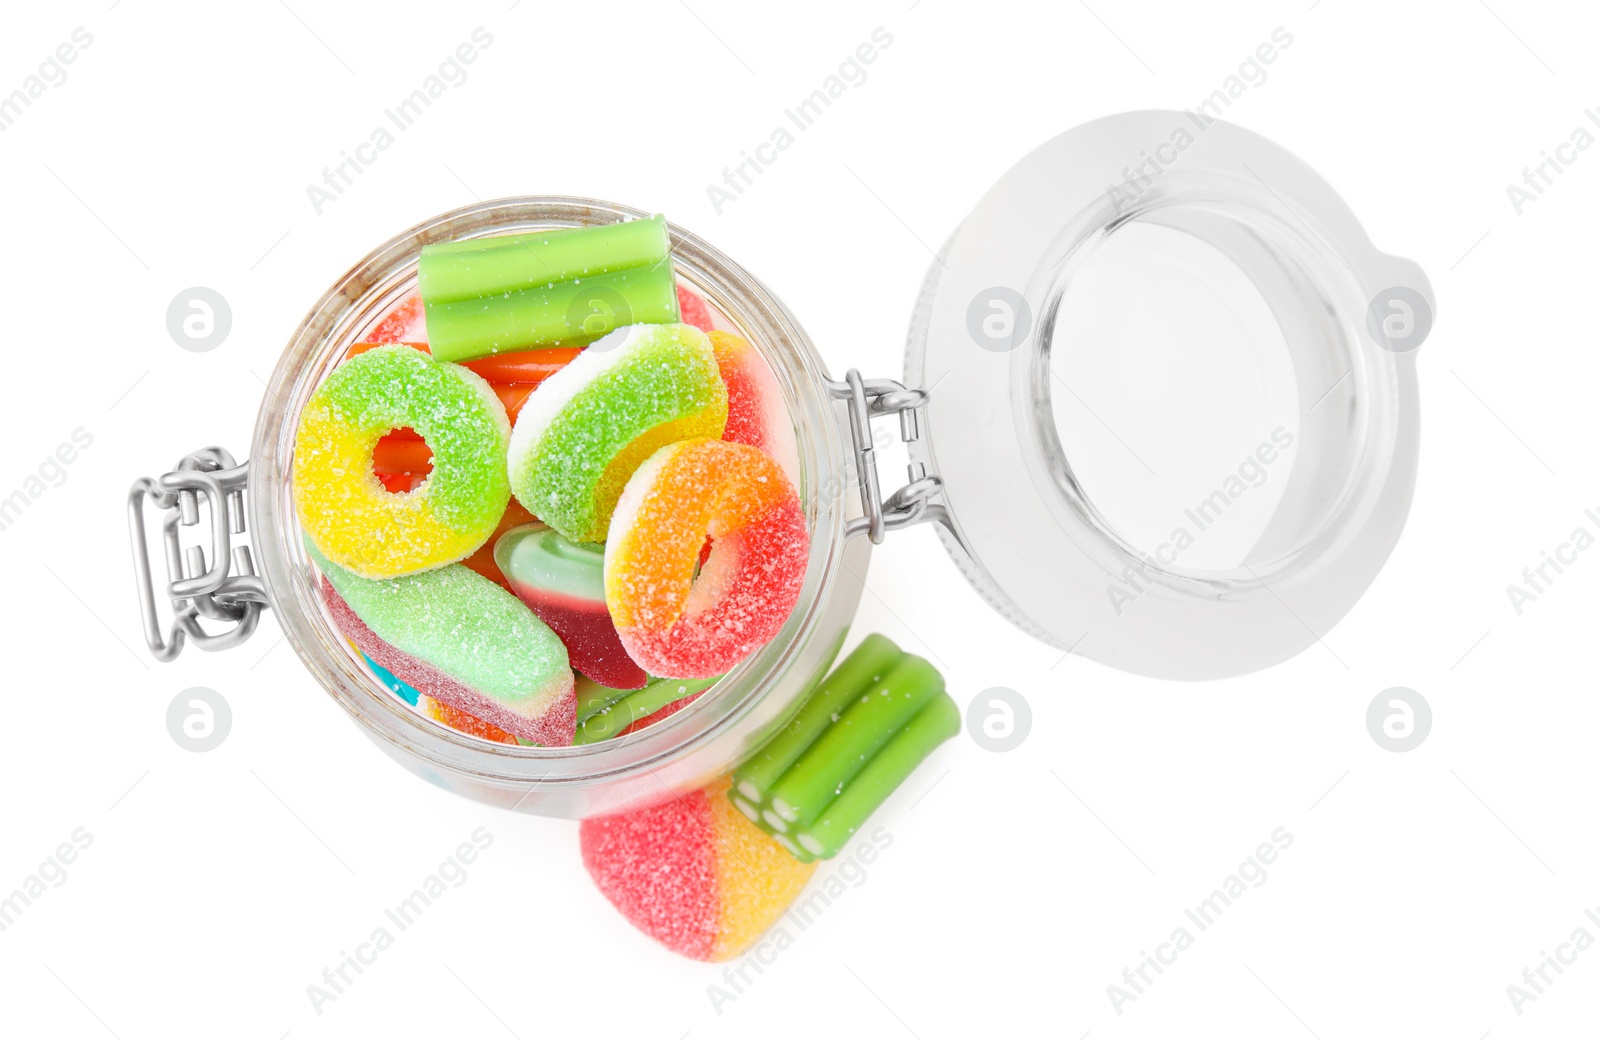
692	310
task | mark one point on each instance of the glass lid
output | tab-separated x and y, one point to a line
1173	403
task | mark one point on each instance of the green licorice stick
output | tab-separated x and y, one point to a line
803	793
571	313
473	268
867	664
617	716
938	722
592	697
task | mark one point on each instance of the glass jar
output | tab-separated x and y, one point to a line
1046	533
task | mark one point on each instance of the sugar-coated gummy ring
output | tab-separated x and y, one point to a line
583	432
345	509
679	624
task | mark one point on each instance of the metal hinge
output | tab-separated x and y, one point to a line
227	588
910	504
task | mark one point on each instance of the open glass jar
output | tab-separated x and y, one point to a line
1267	276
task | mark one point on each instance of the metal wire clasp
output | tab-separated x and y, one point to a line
910	504
195	588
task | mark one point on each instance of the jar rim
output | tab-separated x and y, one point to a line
732	708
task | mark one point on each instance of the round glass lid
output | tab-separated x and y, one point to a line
1173	403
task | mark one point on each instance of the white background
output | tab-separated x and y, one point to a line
1018	885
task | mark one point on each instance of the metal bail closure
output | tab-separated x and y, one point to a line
865	400
225	590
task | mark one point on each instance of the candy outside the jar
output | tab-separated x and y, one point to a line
584	431
692	873
854	740
353	518
458	638
681	618
540	289
564	584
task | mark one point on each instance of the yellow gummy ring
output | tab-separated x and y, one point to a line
355	521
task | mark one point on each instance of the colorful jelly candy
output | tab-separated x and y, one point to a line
358	523
757	415
404	691
693	309
482	560
563	286
464	722
564	583
856	737
478	388
460	639
585	430
404	324
605	712
673	707
512	377
693	873
677	623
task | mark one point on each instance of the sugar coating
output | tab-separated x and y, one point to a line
553	725
757	879
467	723
404	324
692	309
353	519
692	873
673	622
461	639
757	415
657	866
582	432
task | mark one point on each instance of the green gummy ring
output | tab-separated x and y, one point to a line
352	518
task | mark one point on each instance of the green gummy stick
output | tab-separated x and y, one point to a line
616	717
868	663
592	697
938	722
499	264
804	791
574	313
